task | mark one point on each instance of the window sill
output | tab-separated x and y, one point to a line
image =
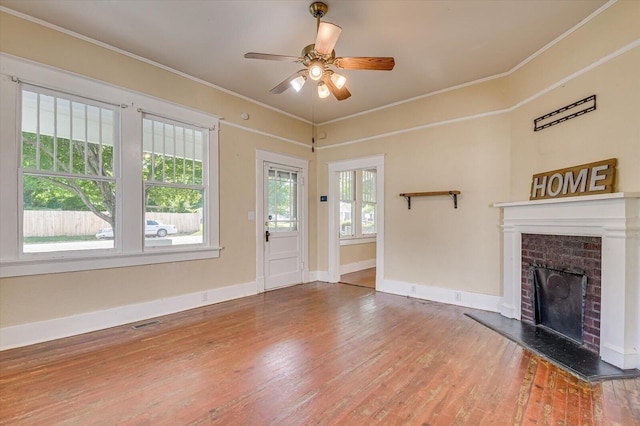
100	260
359	240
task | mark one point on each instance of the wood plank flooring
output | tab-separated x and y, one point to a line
364	278
326	354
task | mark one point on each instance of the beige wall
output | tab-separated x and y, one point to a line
43	297
491	157
487	150
357	253
613	130
430	243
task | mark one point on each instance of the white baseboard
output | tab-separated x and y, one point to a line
443	295
319	276
357	266
43	331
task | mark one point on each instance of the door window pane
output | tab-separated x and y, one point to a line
282	200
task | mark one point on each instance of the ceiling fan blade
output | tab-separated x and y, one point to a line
287	82
270	57
364	63
340	94
327	37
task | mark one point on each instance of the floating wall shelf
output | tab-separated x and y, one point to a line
452	193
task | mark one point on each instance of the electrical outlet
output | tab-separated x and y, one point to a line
457	296
205	296
413	289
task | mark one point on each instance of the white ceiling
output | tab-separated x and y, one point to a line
436	44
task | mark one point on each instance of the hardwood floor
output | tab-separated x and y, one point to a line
364	278
311	354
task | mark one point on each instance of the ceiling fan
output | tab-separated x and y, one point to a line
319	57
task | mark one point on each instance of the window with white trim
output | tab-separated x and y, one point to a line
357	204
174	171
90	180
68	170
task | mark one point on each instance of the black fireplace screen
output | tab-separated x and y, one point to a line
559	299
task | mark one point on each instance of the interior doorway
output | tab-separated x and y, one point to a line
350	219
358	226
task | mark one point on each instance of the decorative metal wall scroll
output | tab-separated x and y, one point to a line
589	104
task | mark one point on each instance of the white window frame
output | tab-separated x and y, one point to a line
70	174
164	183
356	214
129	245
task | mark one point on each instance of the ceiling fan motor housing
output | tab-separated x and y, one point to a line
309	54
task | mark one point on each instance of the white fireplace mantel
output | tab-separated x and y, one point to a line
613	217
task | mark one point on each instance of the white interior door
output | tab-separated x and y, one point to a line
282	237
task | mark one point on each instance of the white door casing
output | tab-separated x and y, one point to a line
283	260
373	162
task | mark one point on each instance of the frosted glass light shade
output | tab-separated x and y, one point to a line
323	90
298	82
338	80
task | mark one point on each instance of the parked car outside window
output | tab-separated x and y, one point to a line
153	228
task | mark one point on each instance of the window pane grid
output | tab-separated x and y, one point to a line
357	203
49	141
282	200
173	153
172	168
368	186
347	187
67	174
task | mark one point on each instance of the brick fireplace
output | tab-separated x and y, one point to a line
565	251
608	223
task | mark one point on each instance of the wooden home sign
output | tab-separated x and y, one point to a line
587	179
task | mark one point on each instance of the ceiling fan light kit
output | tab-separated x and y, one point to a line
320	56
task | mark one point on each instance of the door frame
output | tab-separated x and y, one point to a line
374	162
263	156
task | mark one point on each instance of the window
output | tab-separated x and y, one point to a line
283	200
68	170
357	204
90	182
174	173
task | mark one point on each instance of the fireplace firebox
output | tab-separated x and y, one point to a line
559	258
559	300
